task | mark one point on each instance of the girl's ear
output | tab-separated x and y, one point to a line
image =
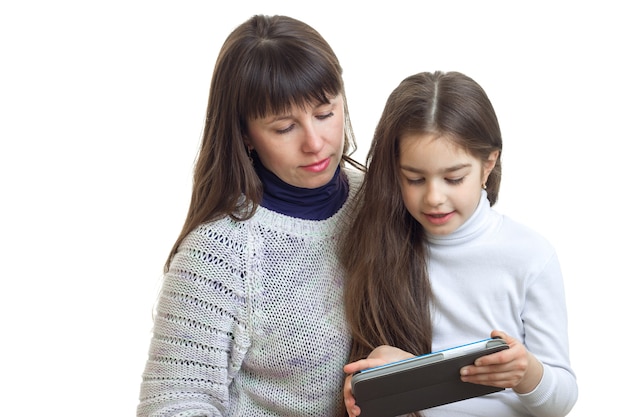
489	165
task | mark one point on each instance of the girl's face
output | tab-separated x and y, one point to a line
441	183
302	147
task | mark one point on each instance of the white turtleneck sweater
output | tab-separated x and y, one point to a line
494	273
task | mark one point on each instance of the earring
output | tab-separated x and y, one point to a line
484	185
249	149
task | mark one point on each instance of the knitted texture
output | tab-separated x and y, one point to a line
250	320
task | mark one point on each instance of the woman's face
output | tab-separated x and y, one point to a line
303	147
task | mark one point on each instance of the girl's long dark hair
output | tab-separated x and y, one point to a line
388	292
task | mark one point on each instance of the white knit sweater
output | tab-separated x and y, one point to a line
250	320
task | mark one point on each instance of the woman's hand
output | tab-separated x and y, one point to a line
515	367
379	356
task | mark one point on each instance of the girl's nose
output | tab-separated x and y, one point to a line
434	194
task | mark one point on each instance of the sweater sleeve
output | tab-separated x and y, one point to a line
545	322
200	329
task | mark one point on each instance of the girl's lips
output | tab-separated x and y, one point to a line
318	166
439	218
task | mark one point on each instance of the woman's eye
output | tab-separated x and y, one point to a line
286	130
326	115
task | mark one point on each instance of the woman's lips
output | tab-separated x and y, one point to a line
318	166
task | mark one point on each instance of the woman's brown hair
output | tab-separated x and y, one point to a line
265	66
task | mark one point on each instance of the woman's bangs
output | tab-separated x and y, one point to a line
283	84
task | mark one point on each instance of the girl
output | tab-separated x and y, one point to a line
250	317
431	265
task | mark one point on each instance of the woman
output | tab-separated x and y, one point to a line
250	319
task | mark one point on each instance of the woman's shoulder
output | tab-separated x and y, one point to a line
224	232
230	232
355	176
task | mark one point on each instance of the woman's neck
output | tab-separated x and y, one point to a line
304	203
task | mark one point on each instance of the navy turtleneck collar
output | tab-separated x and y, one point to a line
304	203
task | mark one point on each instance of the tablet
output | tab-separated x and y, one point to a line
421	382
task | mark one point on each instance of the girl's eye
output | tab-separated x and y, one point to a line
415	181
455	181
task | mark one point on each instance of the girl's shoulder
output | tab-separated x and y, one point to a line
524	235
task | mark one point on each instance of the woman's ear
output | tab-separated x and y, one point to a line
247	142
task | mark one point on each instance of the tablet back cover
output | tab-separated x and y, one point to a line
427	386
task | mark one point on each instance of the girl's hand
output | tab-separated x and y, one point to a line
379	356
514	368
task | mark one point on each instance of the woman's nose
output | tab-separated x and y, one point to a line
313	141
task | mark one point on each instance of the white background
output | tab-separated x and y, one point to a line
101	111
